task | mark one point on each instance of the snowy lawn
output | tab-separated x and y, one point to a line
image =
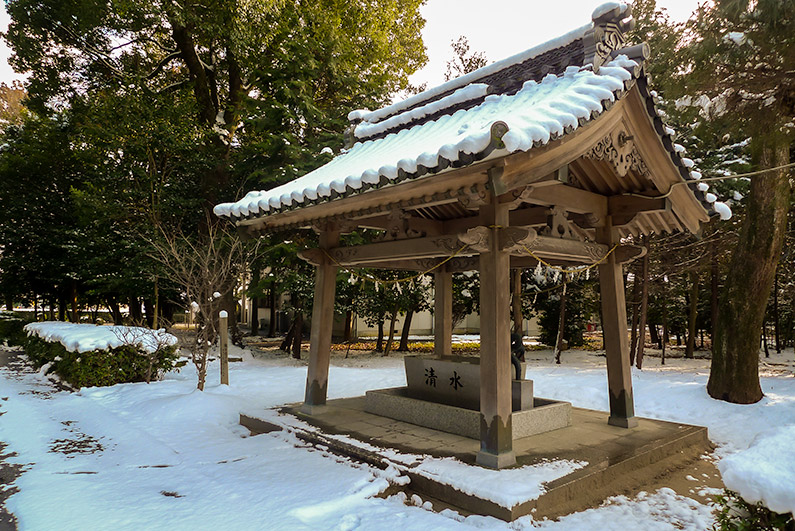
164	456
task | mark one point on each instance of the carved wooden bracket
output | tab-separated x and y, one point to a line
400	226
627	253
558	224
516	197
513	238
474	198
315	257
477	238
606	36
341	224
619	149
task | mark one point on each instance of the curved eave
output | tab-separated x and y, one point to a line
340	203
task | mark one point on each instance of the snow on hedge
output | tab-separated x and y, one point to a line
87	337
536	114
765	471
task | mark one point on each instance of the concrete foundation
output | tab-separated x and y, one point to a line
395	403
619	461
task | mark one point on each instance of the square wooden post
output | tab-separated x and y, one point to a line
614	328
322	322
496	428
443	312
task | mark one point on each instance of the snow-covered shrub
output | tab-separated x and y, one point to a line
122	364
735	514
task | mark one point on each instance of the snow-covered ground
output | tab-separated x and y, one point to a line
164	456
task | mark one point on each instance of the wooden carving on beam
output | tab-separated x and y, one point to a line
473	198
516	197
513	238
607	35
558	224
341	224
477	238
463	263
619	149
627	253
399	227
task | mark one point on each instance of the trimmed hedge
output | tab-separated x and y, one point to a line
95	368
11	329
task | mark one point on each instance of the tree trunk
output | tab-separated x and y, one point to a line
348	326
644	304
404	334
35	307
272	324
516	302
288	338
253	283
764	341
9	303
298	334
713	303
115	312
664	336
62	308
693	314
734	373
379	343
392	319
136	315
156	316
654	334
775	313
562	322
633	337
149	309
73	301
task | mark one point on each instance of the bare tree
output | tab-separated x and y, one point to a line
152	344
203	268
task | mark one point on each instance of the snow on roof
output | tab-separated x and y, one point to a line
86	337
452	123
536	114
466	79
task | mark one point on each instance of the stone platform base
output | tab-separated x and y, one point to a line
619	460
544	416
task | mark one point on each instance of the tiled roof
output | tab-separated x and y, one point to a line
513	105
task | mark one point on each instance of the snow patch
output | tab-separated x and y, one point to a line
504	487
607	7
462	95
722	209
765	471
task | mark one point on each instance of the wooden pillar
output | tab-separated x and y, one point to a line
496	429
223	344
320	335
443	312
614	326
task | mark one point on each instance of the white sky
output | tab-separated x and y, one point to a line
499	28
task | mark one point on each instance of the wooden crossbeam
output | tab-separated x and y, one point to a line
515	241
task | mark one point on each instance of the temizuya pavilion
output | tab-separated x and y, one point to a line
555	153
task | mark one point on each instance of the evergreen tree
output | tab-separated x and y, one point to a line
741	58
